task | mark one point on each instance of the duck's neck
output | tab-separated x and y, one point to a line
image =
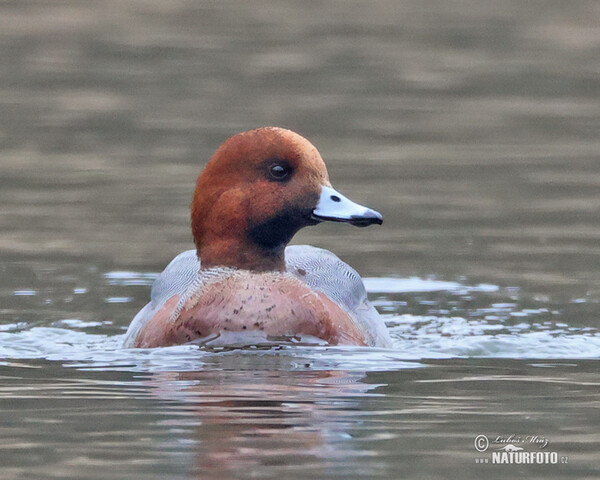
246	257
257	248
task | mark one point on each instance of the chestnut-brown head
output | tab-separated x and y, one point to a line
258	189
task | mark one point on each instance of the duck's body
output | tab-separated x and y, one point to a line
241	284
318	296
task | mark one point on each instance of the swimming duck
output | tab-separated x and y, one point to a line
242	283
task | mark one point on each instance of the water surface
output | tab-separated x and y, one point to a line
472	126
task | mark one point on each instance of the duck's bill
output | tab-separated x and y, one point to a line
334	207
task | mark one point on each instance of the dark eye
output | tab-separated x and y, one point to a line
280	171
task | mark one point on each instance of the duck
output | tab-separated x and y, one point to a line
243	284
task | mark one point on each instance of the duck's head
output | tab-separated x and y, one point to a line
258	189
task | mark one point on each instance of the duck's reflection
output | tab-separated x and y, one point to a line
268	420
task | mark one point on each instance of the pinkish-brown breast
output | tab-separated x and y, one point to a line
276	304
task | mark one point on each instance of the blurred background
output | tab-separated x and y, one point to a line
472	125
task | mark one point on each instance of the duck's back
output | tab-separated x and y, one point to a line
323	271
318	296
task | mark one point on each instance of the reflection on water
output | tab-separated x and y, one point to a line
242	415
249	420
472	126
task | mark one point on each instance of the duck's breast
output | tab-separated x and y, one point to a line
274	305
319	295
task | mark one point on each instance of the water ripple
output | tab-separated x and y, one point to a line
428	319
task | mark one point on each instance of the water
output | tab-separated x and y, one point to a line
472	126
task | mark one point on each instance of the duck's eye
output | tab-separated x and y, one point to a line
280	171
